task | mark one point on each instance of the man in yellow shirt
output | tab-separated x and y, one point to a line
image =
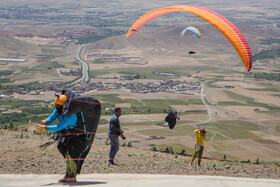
200	135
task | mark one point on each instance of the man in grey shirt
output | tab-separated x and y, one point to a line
114	133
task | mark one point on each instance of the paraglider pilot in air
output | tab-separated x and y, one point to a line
78	120
113	134
200	135
171	118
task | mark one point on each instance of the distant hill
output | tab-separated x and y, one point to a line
13	48
169	38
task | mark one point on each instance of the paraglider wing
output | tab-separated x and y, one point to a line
193	29
228	29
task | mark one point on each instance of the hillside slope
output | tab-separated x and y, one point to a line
21	155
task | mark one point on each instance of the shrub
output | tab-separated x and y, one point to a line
129	144
183	152
124	144
154	148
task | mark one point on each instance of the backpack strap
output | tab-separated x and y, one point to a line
83	119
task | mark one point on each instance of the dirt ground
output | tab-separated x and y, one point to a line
21	155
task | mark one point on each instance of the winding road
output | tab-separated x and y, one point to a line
84	67
85	78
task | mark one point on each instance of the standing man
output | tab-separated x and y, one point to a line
200	135
114	133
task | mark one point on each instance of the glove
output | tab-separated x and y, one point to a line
40	127
43	122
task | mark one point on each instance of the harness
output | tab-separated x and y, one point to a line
66	134
80	129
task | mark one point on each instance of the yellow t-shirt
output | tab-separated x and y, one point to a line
199	138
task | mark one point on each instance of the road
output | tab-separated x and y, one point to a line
84	66
135	180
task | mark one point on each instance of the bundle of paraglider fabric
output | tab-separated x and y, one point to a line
81	137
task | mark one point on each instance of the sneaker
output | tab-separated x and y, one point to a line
71	180
68	178
111	162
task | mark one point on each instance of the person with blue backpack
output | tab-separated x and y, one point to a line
78	121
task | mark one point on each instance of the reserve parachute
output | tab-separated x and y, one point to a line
228	29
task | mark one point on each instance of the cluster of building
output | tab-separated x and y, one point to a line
70	36
171	86
71	72
76	34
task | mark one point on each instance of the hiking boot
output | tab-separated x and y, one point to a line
68	178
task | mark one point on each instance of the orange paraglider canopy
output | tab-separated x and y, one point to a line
228	29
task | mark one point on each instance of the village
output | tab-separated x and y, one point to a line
170	86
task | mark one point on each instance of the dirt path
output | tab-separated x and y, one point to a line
202	96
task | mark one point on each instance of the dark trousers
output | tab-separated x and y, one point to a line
75	149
